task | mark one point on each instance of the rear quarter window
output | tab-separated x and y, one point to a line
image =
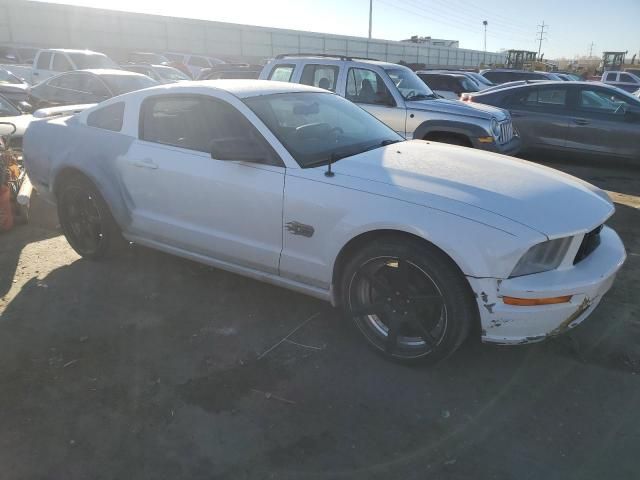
107	118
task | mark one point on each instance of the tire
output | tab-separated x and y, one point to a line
408	299
86	220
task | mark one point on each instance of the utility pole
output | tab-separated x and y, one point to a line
370	17
591	49
541	37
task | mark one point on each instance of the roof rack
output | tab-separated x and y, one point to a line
322	55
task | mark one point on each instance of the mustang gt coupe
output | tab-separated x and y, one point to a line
419	243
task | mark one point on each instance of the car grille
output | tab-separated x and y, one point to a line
506	132
589	243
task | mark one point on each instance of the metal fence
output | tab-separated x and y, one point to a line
50	25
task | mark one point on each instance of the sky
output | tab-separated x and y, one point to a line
572	24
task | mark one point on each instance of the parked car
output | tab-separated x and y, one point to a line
10	112
231	71
448	85
13	87
475	76
160	73
148	58
394	94
13	54
420	243
572	76
503	75
86	86
635	71
193	64
625	80
465	96
583	117
50	62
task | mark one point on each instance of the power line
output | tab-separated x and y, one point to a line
454	21
541	37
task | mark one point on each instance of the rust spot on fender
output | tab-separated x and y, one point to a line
489	306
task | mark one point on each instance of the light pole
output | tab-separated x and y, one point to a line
370	16
485	23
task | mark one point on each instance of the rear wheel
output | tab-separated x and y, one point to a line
86	220
409	300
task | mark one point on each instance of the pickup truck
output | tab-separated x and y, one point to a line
625	80
396	96
51	61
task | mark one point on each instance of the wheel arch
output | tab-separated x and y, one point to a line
114	202
468	131
364	238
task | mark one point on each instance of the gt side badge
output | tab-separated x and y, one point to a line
297	228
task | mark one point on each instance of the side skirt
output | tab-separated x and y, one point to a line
233	268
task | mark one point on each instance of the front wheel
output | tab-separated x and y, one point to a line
408	299
86	220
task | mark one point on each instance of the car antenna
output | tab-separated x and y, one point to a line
329	172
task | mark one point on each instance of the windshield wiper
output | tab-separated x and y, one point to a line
334	157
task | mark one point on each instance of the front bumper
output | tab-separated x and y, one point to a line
512	147
586	281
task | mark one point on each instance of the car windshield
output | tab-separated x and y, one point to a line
320	127
481	80
84	61
7	110
170	73
8	77
469	85
409	84
120	84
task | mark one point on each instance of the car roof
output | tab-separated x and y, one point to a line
440	72
107	71
525	84
71	50
329	60
241	88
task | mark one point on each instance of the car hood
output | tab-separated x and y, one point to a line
456	107
14	87
472	182
21	122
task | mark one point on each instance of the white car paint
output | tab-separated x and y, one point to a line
482	209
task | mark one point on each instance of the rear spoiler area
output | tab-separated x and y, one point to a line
53	112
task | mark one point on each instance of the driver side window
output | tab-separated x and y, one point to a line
366	86
197	122
601	101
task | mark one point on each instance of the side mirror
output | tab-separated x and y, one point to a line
237	149
25	107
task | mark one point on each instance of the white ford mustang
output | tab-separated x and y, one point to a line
416	241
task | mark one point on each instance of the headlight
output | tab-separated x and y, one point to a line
495	128
542	257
